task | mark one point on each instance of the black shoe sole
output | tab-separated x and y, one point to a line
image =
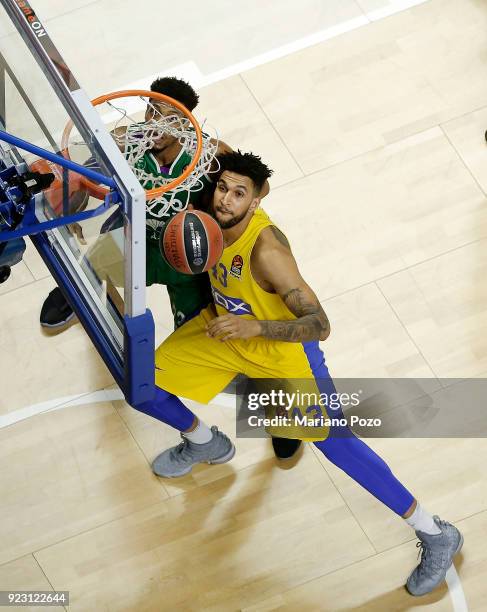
57	328
285	448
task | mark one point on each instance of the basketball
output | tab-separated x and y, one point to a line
191	242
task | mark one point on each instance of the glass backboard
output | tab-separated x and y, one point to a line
98	262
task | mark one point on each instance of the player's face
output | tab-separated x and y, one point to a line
154	111
233	199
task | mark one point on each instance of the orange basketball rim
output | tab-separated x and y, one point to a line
99	191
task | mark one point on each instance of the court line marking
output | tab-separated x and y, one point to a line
103	395
455	590
191	72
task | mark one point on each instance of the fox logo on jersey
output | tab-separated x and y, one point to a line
233	305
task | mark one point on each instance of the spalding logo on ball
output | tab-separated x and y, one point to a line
191	242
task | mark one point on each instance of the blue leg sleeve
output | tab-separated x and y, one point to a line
360	462
169	409
352	455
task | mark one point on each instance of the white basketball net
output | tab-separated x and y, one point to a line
136	138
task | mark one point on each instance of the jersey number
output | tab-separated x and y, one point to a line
222	277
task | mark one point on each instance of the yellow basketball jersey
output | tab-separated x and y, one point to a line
233	286
193	365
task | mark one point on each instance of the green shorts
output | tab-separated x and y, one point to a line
188	293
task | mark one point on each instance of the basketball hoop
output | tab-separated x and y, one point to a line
166	117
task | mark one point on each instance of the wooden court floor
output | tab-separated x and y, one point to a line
377	142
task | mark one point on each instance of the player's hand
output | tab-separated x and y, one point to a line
231	327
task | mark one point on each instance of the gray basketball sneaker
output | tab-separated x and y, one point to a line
437	552
179	460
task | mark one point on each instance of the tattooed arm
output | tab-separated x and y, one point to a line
274	269
311	324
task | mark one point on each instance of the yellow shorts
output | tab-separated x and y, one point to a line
192	365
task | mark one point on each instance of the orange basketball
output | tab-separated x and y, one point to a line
56	192
191	242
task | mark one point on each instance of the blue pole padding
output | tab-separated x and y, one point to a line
57	159
139	344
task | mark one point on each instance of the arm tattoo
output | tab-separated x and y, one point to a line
280	236
311	323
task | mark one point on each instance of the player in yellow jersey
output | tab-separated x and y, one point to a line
266	322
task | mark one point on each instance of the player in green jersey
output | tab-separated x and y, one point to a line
187	293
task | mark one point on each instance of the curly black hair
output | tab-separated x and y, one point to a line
177	89
246	164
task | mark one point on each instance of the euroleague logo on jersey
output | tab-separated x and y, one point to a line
236	267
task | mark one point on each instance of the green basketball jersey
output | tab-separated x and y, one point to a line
158	212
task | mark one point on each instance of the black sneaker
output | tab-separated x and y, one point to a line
56	313
285	448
